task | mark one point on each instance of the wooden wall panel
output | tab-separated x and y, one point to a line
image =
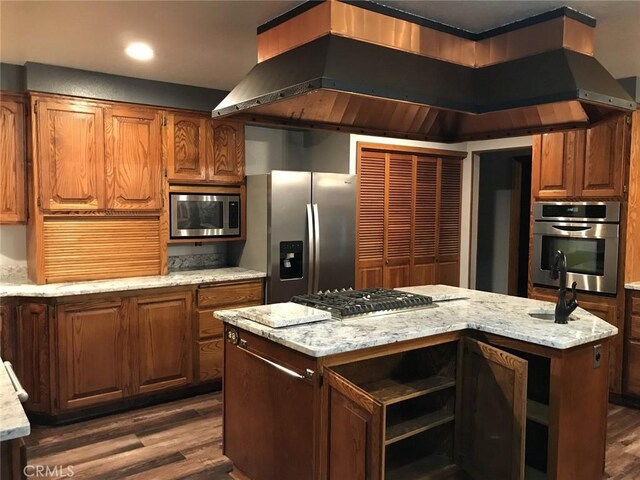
78	248
632	254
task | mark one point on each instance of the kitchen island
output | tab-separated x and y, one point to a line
483	386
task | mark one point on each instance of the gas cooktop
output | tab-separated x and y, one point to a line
350	303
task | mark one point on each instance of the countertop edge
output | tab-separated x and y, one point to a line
632	285
13	420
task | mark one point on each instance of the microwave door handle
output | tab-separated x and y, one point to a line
316	229
310	250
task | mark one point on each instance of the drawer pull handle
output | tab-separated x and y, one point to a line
308	373
22	394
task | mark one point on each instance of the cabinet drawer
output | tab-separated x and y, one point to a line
210	356
209	325
233	294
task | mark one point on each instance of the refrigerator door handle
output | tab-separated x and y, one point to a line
310	250
316	229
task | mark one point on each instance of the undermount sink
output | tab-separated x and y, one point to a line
545	315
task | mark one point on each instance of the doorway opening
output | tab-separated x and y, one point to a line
501	221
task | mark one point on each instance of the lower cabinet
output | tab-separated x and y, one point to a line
632	344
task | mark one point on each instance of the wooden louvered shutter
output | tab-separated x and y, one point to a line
449	214
425	221
399	201
370	219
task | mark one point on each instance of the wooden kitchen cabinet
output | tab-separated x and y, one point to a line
408	218
133	158
632	344
225	152
69	154
186	140
34	354
203	150
163	336
93	352
13	198
587	163
209	345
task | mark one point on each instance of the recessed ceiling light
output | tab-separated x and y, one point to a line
139	51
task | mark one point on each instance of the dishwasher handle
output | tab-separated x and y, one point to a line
22	394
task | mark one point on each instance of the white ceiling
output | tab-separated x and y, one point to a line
213	43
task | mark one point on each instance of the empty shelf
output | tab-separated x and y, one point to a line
405	428
433	466
392	390
538	412
531	473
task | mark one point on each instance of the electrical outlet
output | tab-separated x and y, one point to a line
597	356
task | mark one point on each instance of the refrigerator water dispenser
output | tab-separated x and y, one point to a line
290	260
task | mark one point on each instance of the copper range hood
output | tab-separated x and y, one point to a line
366	68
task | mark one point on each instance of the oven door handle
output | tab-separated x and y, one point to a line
569	229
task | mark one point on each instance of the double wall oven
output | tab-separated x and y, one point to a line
588	234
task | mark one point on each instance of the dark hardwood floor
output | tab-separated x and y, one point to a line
183	440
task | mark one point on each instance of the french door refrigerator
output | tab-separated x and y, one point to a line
301	231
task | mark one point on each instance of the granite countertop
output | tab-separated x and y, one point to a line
486	312
632	285
13	421
21	287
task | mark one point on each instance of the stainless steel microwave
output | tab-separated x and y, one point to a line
198	215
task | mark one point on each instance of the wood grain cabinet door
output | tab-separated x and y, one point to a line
93	353
70	155
33	357
355	432
225	152
186	137
554	158
449	221
423	263
163	341
490	425
133	158
601	173
12	160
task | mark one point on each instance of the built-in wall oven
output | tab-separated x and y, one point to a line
204	214
588	234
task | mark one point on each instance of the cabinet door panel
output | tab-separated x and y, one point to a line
225	146
601	172
425	229
398	220
12	161
370	219
210	361
492	412
186	159
34	359
93	355
163	341
71	153
133	159
355	434
554	163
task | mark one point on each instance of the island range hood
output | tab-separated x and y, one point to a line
366	68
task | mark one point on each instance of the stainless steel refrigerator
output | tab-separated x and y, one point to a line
301	231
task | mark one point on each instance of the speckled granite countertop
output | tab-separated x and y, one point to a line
486	312
13	421
21	287
632	285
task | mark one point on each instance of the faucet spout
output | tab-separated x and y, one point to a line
559	270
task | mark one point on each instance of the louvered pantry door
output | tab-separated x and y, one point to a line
370	219
423	264
398	214
449	214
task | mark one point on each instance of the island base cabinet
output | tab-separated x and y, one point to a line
269	398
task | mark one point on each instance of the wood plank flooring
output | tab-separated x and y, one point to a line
183	440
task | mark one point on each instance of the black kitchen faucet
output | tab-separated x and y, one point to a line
559	269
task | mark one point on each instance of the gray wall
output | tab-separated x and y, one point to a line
494	198
327	151
269	149
12	77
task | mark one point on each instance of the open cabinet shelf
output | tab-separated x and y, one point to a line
393	390
531	473
435	466
538	412
402	429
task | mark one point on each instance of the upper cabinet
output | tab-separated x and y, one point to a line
186	146
91	156
133	158
12	159
70	154
203	150
581	163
